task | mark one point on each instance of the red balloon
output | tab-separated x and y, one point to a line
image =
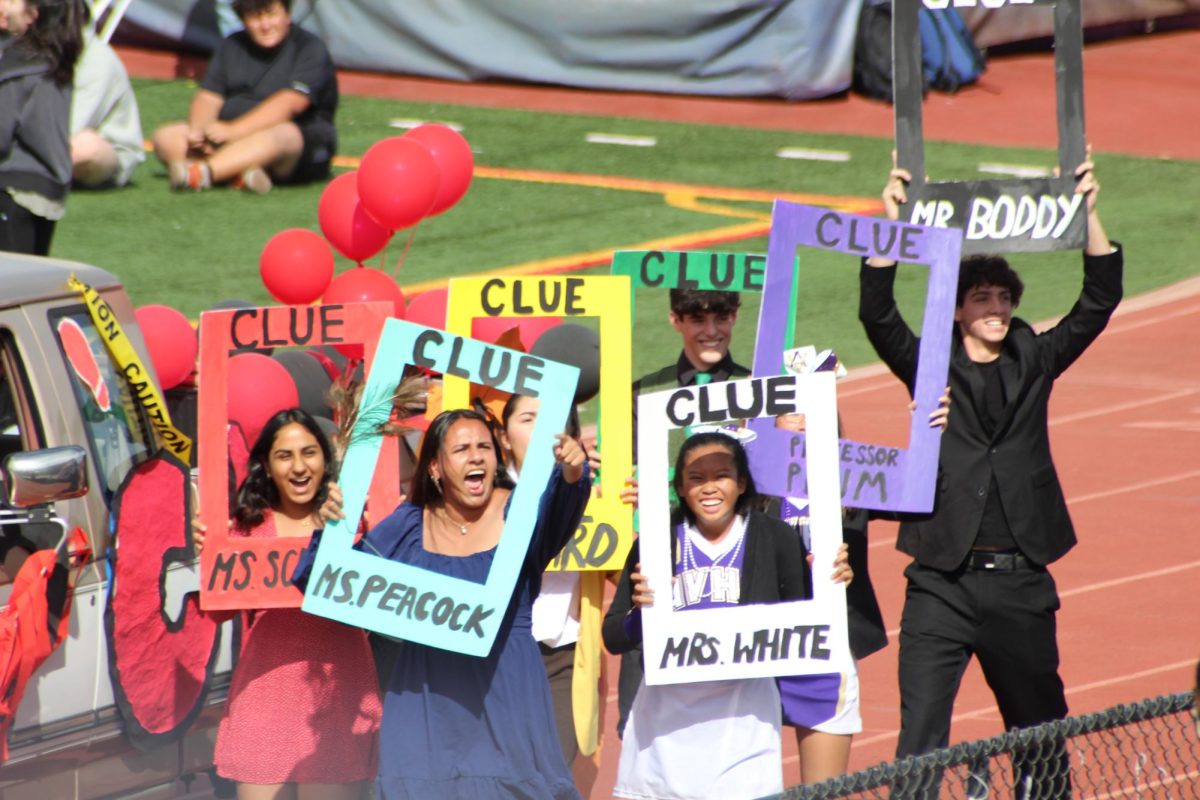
296	266
489	329
454	159
363	285
429	308
172	343
397	182
533	327
346	223
259	388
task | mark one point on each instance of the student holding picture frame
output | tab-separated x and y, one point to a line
711	738
456	724
303	714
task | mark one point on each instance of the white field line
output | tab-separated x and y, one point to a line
1016	170
409	124
805	154
1134	487
621	139
1140	789
1062	419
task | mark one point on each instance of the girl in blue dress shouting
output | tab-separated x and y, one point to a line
454	725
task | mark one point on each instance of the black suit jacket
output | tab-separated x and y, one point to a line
1017	452
773	569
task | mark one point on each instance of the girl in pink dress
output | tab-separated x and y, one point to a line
303	714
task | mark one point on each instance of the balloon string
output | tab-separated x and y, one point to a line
404	252
383	255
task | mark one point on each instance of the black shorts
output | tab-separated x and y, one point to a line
320	144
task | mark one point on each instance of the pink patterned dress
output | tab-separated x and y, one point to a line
304	704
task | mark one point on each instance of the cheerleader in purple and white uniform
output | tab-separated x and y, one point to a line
824	709
716	739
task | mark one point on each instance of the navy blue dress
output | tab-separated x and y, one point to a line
459	726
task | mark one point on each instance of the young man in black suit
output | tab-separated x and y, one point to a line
978	584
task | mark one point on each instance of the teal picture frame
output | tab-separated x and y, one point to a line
407	602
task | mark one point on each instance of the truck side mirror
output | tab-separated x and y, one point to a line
37	477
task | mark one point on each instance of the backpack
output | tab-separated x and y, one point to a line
873	50
949	57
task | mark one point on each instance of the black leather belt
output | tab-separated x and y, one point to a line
988	561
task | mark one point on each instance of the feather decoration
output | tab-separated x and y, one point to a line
377	413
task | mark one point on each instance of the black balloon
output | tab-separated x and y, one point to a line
578	346
331	353
312	381
328	427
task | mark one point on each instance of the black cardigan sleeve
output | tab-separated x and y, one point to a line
616	638
790	559
774	568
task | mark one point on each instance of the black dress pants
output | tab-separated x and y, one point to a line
1006	618
560	672
22	231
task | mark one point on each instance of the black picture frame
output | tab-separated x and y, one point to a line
1001	215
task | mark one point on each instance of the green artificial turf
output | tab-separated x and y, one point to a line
190	251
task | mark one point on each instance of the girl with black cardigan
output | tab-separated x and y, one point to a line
717	738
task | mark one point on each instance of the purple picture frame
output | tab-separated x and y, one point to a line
877	477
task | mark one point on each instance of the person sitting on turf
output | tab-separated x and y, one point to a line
264	111
106	132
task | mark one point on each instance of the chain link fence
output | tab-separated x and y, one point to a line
1144	751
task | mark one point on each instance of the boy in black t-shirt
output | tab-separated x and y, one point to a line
264	111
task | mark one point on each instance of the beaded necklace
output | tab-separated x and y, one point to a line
689	555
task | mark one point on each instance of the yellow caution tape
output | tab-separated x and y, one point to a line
119	347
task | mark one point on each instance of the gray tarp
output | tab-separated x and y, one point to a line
790	48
